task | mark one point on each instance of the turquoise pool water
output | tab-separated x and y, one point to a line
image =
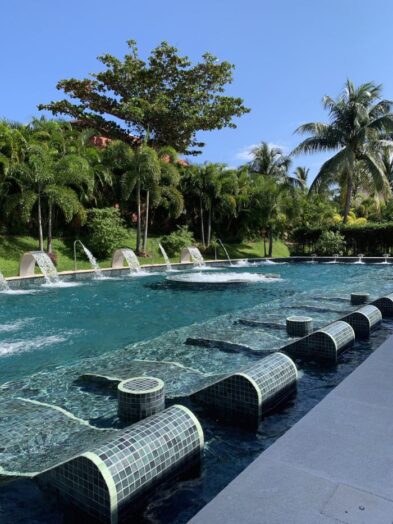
56	326
132	326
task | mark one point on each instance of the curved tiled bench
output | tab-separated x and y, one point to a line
140	397
325	344
103	481
364	320
385	305
243	397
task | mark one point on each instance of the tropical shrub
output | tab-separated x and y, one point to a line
106	231
174	242
330	243
373	239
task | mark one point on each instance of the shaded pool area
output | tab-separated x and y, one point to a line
139	326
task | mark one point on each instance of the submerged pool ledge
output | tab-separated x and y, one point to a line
334	465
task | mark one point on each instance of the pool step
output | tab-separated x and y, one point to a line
320	309
224	345
331	299
260	323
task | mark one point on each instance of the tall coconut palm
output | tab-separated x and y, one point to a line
359	121
270	161
193	186
387	164
300	177
266	196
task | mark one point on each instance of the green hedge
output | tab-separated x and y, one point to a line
370	239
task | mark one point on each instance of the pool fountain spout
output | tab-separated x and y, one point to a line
30	259
386	256
192	254
91	258
334	261
3	283
125	254
360	259
166	258
225	251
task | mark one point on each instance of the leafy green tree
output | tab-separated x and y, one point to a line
330	243
106	230
175	241
359	121
166	99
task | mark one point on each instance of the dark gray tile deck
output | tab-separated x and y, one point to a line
334	465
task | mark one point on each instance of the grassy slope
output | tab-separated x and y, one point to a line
11	249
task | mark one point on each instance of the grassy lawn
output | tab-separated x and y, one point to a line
11	249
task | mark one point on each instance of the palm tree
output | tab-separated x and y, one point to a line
30	177
167	194
144	174
270	161
359	121
387	164
266	195
193	186
46	176
300	177
71	175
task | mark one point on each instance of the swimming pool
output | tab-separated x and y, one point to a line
131	326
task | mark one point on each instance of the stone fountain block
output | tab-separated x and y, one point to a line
102	482
140	397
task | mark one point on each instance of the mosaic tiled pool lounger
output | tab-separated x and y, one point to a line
79	404
245	396
106	479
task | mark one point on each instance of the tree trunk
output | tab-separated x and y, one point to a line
270	242
209	226
138	223
40	233
348	198
202	224
146	221
264	244
50	209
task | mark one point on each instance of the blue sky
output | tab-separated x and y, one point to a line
288	54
